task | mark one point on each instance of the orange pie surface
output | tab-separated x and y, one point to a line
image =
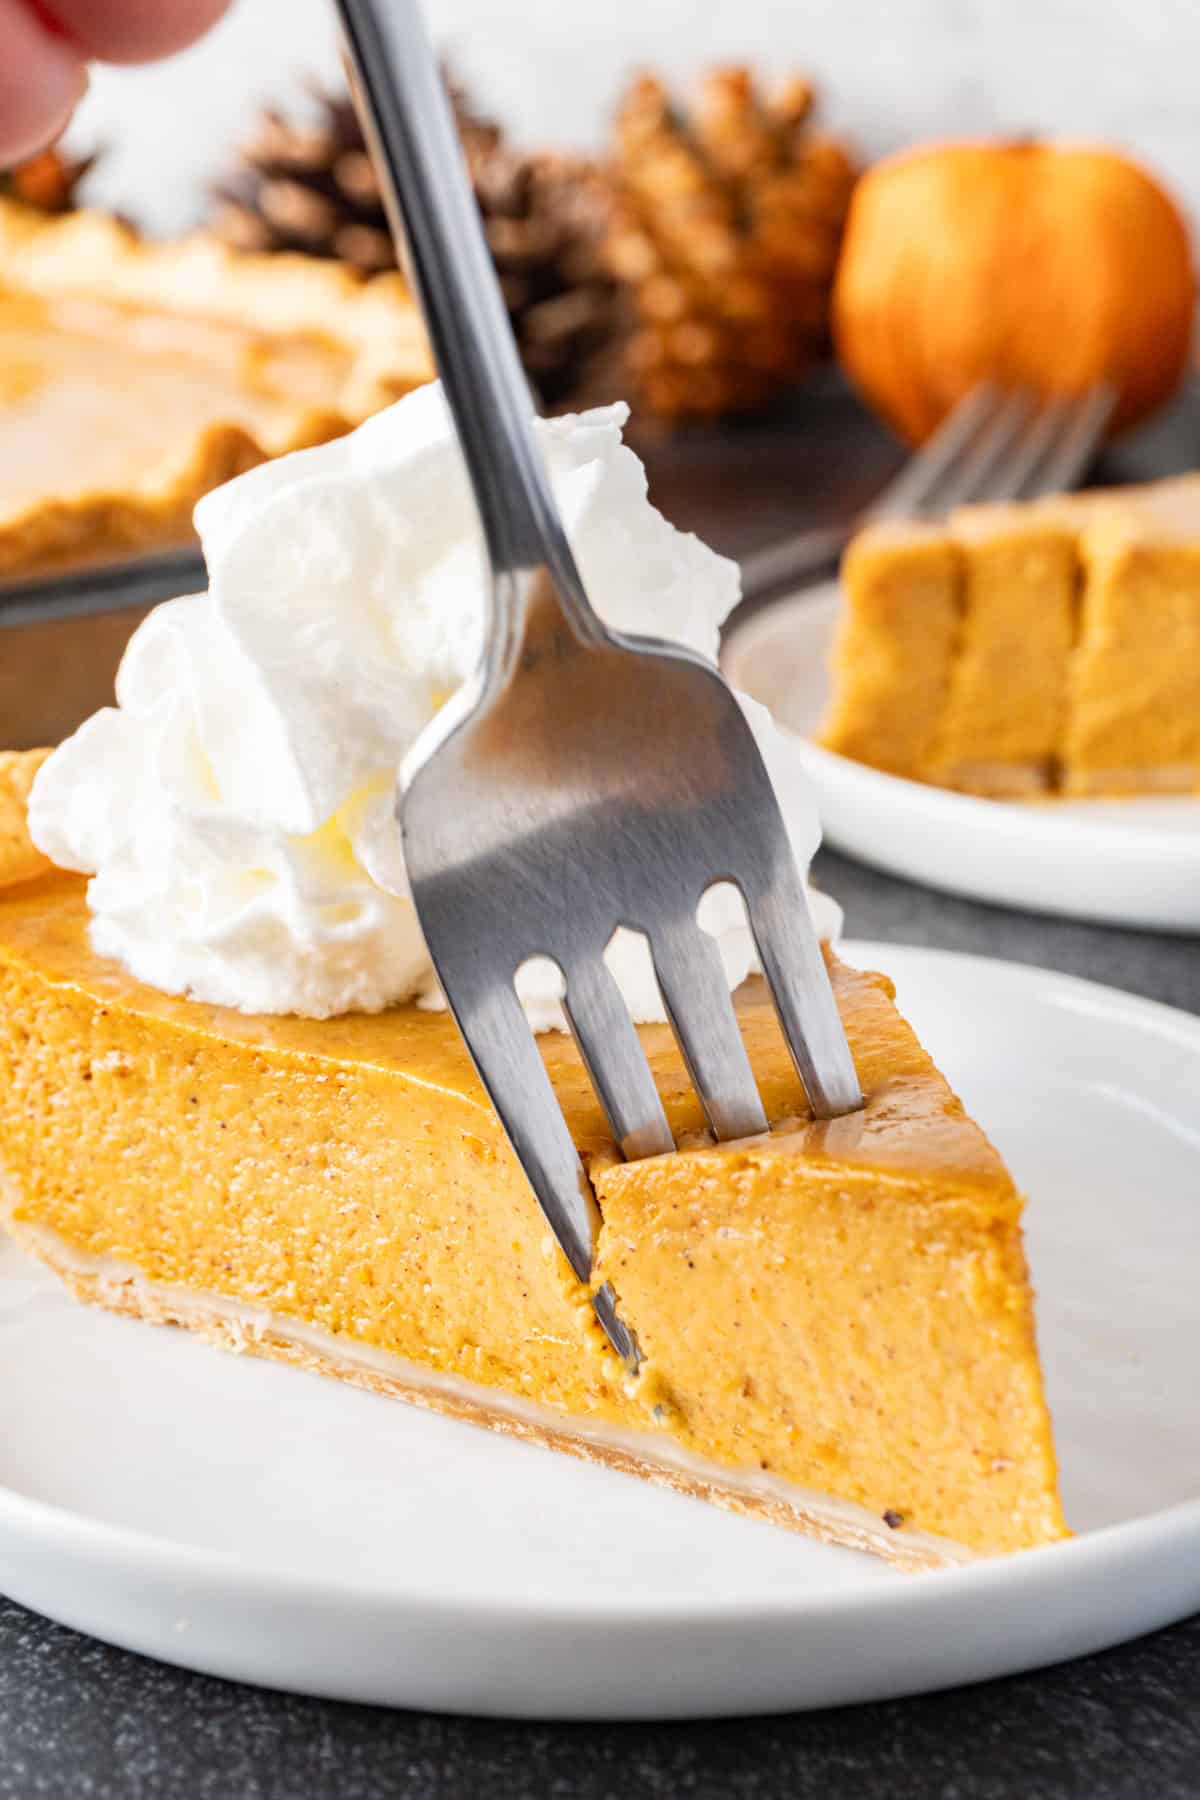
1028	650
835	1319
133	378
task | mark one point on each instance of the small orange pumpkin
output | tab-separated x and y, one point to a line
1048	266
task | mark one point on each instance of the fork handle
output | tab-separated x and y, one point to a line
433	214
797	559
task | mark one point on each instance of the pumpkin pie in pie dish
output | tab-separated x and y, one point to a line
1025	651
229	1099
135	377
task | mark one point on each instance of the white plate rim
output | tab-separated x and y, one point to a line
1042	820
1122	864
1155	1552
1076	992
1107	1547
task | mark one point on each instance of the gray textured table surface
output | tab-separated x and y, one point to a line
80	1721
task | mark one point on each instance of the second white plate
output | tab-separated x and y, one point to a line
1123	862
242	1518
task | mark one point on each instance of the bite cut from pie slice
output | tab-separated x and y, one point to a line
835	1318
134	377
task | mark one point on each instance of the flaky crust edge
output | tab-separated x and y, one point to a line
92	255
20	858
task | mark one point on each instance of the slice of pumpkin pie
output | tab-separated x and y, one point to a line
836	1319
228	1099
1133	723
1028	650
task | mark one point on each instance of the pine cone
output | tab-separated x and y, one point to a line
313	188
726	234
47	181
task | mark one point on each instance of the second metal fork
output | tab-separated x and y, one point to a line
997	444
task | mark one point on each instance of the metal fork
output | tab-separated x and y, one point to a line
997	444
583	780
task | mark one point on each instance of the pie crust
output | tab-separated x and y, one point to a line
135	376
247	1331
20	859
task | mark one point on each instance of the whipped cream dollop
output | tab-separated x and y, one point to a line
235	808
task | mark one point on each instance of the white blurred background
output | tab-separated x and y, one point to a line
891	71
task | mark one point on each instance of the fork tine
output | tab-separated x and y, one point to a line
910	493
616	1062
799	982
816	551
696	995
1007	477
511	1068
979	472
1068	457
1052	451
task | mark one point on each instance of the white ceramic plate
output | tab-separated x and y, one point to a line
258	1523
1125	862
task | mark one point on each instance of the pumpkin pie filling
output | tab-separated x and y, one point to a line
1016	621
892	657
836	1318
1134	682
1028	650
